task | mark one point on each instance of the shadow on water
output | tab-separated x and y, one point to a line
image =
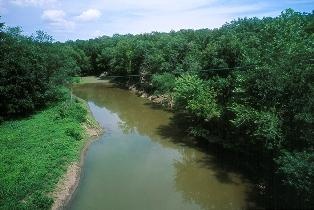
205	173
224	163
156	106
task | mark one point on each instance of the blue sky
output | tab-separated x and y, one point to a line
84	19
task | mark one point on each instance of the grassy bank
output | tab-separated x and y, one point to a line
35	153
90	79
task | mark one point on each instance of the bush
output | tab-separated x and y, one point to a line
263	126
34	154
296	169
33	72
163	83
72	109
186	88
192	94
74	131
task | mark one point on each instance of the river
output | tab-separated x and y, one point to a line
140	162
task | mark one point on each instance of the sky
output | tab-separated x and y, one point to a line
85	19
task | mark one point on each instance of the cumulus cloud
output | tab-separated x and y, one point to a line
57	19
53	15
166	16
77	19
89	15
3	10
152	5
39	3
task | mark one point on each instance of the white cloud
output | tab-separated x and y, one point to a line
38	3
89	15
97	33
57	19
3	10
165	22
53	15
77	18
190	16
165	5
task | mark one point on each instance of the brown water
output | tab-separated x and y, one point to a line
139	162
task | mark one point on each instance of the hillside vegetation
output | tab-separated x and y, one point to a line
35	153
41	130
249	82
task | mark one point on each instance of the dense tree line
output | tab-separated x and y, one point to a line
41	130
249	82
33	71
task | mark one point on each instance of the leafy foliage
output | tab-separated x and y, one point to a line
192	94
249	82
33	72
266	105
35	152
260	125
297	172
163	83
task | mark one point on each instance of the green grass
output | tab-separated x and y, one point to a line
91	79
35	152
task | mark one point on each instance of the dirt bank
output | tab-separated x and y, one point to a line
70	180
164	100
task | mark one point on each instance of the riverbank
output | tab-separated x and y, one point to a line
67	185
41	152
166	103
91	79
144	151
163	99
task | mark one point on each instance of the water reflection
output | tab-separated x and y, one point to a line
134	112
145	161
200	184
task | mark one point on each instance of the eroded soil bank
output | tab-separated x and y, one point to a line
69	182
144	161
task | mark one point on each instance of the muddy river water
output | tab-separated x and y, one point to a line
140	162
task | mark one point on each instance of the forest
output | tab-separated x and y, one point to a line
249	82
41	129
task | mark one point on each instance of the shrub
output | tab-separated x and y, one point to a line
296	169
192	94
263	126
163	83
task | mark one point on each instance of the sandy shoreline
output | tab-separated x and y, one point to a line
68	183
